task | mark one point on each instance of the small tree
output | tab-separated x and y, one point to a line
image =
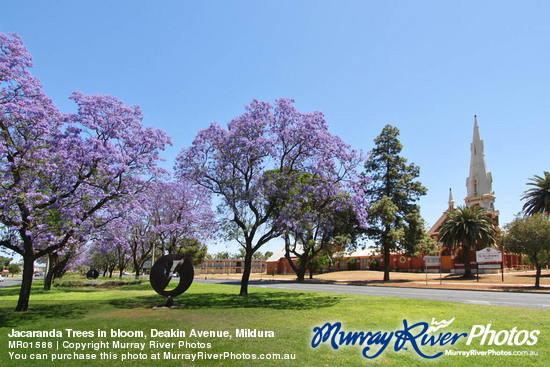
530	235
4	261
467	228
14	269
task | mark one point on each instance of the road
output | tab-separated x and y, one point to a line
513	299
10	281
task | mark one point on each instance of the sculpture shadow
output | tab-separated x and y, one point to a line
271	300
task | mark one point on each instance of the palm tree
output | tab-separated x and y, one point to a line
467	228
538	197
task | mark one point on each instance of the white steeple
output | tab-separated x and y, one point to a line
480	182
451	200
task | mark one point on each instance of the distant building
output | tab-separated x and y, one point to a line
278	264
228	266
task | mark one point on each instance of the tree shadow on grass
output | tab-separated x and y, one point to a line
272	300
40	311
46	310
9	291
461	277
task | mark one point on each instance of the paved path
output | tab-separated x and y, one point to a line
514	299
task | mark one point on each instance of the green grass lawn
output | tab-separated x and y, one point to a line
290	315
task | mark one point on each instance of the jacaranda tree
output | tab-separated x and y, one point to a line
169	217
59	171
232	163
321	221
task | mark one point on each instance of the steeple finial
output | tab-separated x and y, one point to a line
451	200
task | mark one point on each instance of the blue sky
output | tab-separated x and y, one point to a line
426	67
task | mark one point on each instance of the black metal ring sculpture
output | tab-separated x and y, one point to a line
161	275
92	274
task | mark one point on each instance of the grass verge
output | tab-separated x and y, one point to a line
290	315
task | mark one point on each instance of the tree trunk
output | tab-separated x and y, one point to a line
246	273
537	278
57	269
26	283
386	263
48	278
466	259
300	271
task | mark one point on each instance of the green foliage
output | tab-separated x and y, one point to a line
426	246
530	236
374	265
538	197
14	269
394	219
352	263
4	261
194	250
467	228
224	255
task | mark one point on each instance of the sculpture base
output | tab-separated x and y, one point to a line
169	304
163	307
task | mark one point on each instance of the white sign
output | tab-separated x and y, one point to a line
147	264
489	255
432	260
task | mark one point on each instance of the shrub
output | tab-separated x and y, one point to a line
352	263
374	265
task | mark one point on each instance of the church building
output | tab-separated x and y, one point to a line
479	192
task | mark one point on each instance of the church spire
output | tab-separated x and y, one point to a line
451	200
480	181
